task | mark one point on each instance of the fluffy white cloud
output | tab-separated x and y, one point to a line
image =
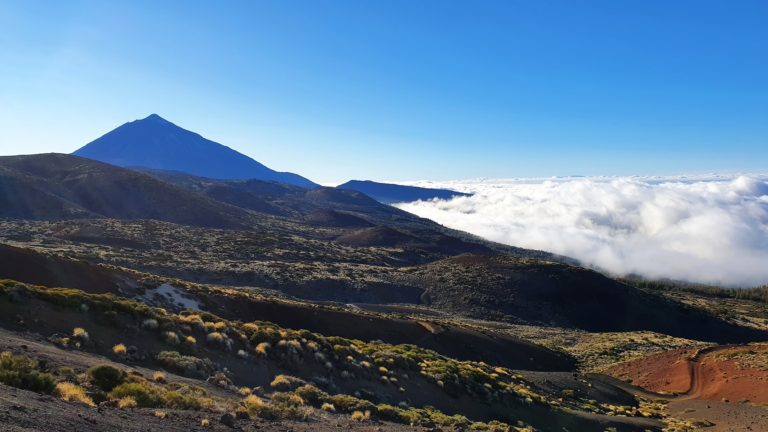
702	229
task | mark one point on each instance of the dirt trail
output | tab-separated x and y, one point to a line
695	377
694	369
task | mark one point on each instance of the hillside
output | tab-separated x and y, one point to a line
265	371
154	142
534	291
58	186
389	193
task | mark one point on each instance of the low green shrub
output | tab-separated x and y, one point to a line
21	372
146	395
105	377
186	365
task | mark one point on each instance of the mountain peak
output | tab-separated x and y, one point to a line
154	142
154	118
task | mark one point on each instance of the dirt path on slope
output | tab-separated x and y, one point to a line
695	371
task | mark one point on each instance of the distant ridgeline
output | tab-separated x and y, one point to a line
154	143
392	193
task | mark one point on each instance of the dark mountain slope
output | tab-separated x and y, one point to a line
535	291
41	269
336	208
154	142
392	193
58	186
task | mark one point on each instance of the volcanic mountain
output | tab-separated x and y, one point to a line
156	143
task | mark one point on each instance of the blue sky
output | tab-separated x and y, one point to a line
402	90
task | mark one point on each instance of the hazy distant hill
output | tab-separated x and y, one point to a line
391	193
154	142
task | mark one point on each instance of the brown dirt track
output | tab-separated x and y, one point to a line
723	386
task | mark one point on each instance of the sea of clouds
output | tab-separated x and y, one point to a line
708	229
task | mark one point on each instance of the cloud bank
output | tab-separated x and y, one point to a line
700	229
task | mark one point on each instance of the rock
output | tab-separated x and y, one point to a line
228	420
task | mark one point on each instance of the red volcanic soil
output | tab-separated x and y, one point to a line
728	374
722	373
666	372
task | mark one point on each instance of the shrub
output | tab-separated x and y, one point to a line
105	377
347	403
262	348
171	338
287	399
160	414
189	340
361	416
159	377
389	412
328	407
119	350
80	333
205	422
255	407
311	394
215	337
21	372
149	324
286	382
185	365
73	393
145	394
176	400
127	402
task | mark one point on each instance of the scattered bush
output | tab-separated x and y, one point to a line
159	377
347	403
286	383
149	324
21	372
328	407
176	400
361	416
311	394
171	338
185	365
215	338
262	348
145	394
105	377
80	333
73	393
127	402
120	350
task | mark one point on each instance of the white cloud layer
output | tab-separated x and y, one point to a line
709	229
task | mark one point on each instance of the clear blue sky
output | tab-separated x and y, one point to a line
402	90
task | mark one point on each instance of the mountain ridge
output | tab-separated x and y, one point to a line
390	193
